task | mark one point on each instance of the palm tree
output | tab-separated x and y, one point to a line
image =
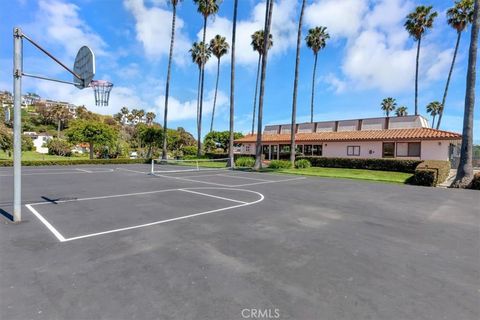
316	40
218	47
167	85
232	87
417	24
401	111
206	8
459	16
150	117
257	44
465	168
258	144
295	87
433	108
124	111
200	54
388	105
140	114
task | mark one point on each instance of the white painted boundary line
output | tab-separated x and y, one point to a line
46	223
246	178
61	238
64	172
83	170
212	196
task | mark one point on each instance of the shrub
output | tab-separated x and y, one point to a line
280	164
408	166
440	169
475	185
73	161
245	162
424	177
27	143
189	150
302	164
59	147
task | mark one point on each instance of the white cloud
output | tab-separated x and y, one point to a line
59	23
342	18
335	84
178	110
153	26
440	68
284	31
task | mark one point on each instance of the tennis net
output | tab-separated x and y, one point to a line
160	166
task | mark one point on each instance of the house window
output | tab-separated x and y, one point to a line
247	148
317	150
388	149
353	151
298	149
284	148
307	149
408	149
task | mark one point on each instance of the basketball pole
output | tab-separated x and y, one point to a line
17	124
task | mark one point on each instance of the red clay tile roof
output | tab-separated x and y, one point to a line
371	135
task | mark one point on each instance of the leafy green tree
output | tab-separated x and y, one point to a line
6	139
91	132
417	23
220	139
316	40
465	169
151	136
433	108
388	105
257	45
27	143
458	17
219	47
59	147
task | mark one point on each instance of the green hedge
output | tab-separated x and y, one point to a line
244	162
408	166
69	162
431	173
280	164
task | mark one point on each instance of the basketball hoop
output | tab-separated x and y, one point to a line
102	89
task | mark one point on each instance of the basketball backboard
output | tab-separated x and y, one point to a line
84	67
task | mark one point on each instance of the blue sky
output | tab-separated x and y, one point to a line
369	57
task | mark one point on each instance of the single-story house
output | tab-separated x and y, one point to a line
39	140
408	137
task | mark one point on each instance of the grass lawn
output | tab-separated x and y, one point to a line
32	156
361	174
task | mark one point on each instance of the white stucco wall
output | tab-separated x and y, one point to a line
435	150
339	149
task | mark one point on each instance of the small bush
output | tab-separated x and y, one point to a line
302	164
280	164
245	162
475	185
440	169
424	177
59	147
407	166
27	143
189	150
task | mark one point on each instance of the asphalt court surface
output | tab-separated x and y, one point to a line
209	244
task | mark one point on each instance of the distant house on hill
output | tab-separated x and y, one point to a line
39	140
408	137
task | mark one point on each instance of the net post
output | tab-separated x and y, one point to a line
151	167
198	166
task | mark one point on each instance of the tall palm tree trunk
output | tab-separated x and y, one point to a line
198	91
256	91
200	109
58	128
90	146
215	96
313	87
433	121
258	144
295	88
416	75
232	87
465	168
167	86
448	80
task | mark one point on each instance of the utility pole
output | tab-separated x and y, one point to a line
17	124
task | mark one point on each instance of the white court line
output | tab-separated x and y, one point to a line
278	181
212	196
62	172
46	223
61	238
192	180
233	176
129	170
83	170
